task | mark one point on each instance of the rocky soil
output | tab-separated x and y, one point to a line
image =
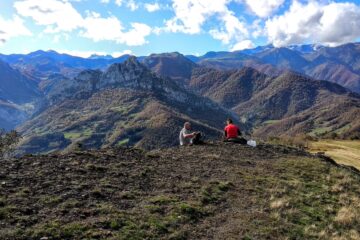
214	191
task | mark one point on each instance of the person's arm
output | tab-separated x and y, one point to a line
191	135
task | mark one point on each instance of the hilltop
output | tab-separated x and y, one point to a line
214	191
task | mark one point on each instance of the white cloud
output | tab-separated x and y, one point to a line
132	5
100	29
12	28
152	7
59	16
56	38
233	30
256	28
330	24
111	29
86	54
54	14
264	8
191	15
136	36
246	44
119	2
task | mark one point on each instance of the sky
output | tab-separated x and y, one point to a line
142	27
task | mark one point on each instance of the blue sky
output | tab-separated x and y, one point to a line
141	27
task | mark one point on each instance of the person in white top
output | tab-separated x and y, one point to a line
187	136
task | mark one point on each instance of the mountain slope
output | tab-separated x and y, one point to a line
267	103
335	64
11	115
18	95
283	58
216	191
16	87
294	105
173	65
40	64
228	87
126	105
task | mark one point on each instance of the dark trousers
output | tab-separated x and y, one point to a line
197	139
239	140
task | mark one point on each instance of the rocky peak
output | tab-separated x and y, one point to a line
130	74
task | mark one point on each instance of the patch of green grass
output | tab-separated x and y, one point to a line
192	211
123	142
268	122
7	212
343	129
56	230
129	195
51	200
72	135
162	200
85	132
124	110
215	192
70	204
301	201
320	131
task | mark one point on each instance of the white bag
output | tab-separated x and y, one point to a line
251	143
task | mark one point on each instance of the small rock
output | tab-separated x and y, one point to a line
3	183
44	238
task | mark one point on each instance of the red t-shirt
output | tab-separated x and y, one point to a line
232	131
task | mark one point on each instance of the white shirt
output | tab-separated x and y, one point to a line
183	139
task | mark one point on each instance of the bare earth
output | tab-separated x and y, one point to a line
214	191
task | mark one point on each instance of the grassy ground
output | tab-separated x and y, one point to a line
216	191
343	152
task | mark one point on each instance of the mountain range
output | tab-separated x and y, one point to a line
58	101
338	64
125	105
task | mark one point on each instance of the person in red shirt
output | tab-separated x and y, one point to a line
232	132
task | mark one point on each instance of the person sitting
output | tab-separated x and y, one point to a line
187	137
232	133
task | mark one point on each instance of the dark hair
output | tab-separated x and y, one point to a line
229	120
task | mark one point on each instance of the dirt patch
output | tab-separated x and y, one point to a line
215	191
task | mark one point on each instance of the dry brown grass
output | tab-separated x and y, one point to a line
343	152
301	141
347	216
350	235
279	203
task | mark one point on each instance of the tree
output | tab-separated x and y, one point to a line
8	140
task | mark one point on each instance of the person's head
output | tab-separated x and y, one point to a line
187	126
229	121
